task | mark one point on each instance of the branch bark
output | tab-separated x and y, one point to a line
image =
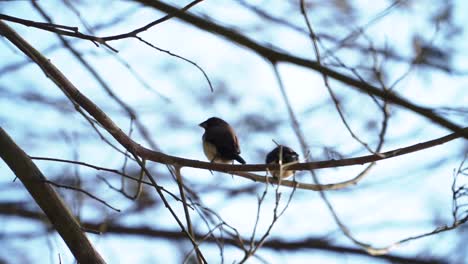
49	201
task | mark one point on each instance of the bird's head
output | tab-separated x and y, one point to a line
211	122
288	155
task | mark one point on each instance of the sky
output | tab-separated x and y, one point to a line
379	210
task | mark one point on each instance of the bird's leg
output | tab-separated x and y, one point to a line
232	174
212	161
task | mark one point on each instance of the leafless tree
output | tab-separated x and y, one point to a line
100	147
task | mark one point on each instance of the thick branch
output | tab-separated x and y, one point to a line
49	201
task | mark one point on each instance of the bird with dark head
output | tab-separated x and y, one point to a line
220	143
285	155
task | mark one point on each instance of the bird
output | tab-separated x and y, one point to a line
288	155
220	143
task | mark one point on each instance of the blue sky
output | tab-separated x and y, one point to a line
398	199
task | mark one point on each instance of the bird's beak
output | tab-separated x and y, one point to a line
202	124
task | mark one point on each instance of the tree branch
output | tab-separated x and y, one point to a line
17	209
72	92
49	201
273	55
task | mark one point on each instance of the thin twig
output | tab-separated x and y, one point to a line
108	170
255	245
82	191
179	57
166	203
180	184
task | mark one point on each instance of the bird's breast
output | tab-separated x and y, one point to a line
212	154
284	173
209	150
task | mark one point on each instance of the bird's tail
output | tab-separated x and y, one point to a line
239	159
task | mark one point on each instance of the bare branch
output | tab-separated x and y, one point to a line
49	201
180	183
274	56
17	209
82	191
70	90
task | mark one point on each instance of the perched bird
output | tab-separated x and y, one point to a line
220	142
287	156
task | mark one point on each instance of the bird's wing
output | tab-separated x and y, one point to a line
224	139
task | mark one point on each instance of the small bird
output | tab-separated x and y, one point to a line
287	156
220	142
